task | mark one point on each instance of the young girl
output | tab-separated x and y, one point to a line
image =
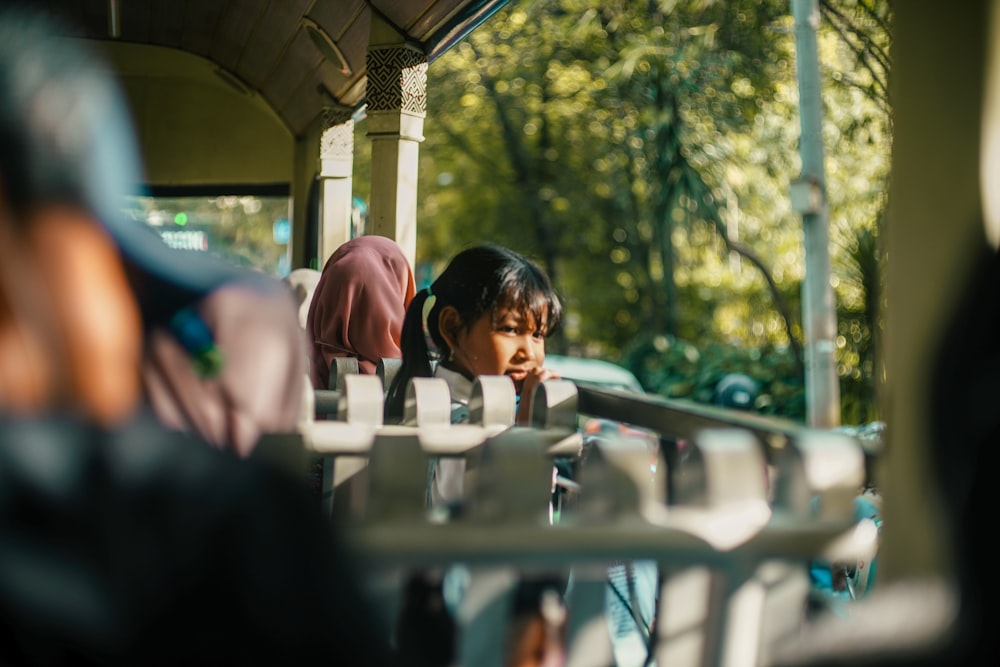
488	313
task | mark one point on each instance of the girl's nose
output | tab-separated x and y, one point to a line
530	346
525	349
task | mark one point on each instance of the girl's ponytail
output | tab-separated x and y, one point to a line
416	353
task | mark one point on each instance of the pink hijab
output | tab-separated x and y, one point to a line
358	307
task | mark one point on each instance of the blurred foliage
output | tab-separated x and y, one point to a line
642	151
680	369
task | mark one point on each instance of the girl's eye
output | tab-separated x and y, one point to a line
507	329
539	335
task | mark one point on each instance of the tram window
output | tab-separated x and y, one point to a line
247	230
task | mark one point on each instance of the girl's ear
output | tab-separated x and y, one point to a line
450	324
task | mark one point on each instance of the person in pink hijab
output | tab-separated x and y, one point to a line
358	307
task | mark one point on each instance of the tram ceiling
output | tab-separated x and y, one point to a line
298	55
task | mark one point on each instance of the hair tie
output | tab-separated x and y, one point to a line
429	303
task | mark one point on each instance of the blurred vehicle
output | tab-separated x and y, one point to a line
736	391
603	375
597	372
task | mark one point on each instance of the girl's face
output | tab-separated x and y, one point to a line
511	343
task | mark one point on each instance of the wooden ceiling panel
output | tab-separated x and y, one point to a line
65	11
166	22
331	79
354	43
336	17
234	31
94	17
435	17
402	12
262	42
70	15
302	108
135	20
267	43
200	23
335	82
298	64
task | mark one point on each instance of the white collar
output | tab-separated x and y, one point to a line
459	385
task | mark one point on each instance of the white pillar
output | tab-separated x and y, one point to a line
336	165
397	106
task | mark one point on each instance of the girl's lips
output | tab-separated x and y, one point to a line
517	376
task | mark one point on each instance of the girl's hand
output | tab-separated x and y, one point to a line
533	379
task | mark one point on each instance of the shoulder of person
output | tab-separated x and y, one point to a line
153	543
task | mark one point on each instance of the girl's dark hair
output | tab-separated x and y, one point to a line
478	281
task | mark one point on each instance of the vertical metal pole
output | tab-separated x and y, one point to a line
818	307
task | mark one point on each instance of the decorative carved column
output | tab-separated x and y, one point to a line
336	164
397	106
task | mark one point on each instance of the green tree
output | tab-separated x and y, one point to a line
642	151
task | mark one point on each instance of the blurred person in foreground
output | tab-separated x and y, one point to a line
122	542
222	354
